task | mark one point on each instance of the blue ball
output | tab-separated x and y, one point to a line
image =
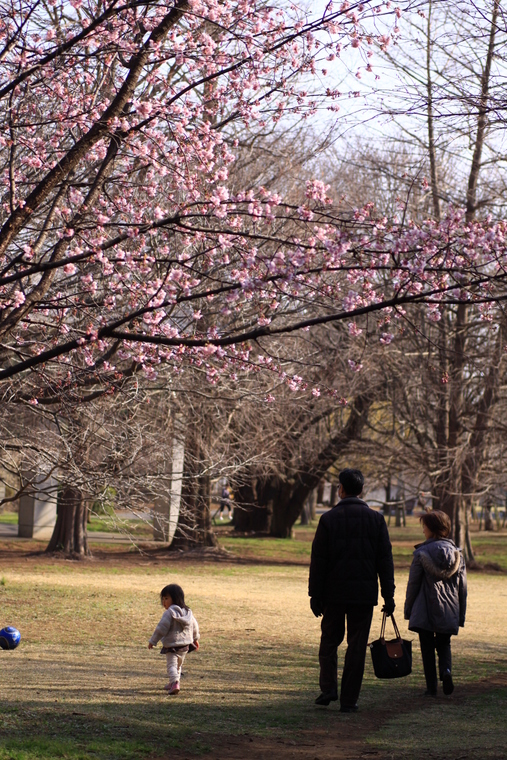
9	637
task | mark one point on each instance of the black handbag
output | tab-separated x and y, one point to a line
391	659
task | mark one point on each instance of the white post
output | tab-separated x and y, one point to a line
167	507
37	507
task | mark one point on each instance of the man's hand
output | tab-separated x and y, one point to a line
150	645
315	607
196	645
389	607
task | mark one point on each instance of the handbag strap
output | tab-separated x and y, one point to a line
383	627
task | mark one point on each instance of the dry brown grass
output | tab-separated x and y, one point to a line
84	676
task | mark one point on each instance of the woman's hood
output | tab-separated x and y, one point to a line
440	558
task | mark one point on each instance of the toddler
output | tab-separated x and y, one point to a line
179	632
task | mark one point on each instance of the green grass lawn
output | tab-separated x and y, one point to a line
265	548
488	547
101	524
9	518
135	528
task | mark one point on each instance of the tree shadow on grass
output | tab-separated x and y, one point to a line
110	705
392	723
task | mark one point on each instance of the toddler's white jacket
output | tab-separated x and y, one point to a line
177	628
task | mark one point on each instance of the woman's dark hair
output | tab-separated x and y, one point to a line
352	481
437	522
176	593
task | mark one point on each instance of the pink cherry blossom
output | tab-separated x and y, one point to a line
127	232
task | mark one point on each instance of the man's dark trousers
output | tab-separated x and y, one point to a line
333	631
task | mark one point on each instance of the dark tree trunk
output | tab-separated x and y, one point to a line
287	505
194	522
292	494
457	506
70	534
253	507
458	509
206	535
387	503
448	489
488	520
276	503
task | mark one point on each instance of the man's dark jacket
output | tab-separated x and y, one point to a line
350	549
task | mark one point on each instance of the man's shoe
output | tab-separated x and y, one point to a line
326	697
447	684
430	693
349	708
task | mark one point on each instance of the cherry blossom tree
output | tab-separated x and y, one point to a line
122	244
126	248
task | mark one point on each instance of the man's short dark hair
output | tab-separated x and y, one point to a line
352	481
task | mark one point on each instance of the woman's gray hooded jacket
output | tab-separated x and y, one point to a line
437	588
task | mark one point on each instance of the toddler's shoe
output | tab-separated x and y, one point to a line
173	688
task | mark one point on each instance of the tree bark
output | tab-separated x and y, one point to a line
70	534
482	119
448	485
253	507
205	533
287	510
291	493
194	522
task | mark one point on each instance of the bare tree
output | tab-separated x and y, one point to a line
444	378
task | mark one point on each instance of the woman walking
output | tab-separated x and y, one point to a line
435	604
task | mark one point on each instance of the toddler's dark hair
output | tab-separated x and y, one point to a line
437	522
176	593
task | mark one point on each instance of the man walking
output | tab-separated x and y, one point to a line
350	549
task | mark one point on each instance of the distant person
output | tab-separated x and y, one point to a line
225	503
421	501
178	631
435	604
350	550
410	505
